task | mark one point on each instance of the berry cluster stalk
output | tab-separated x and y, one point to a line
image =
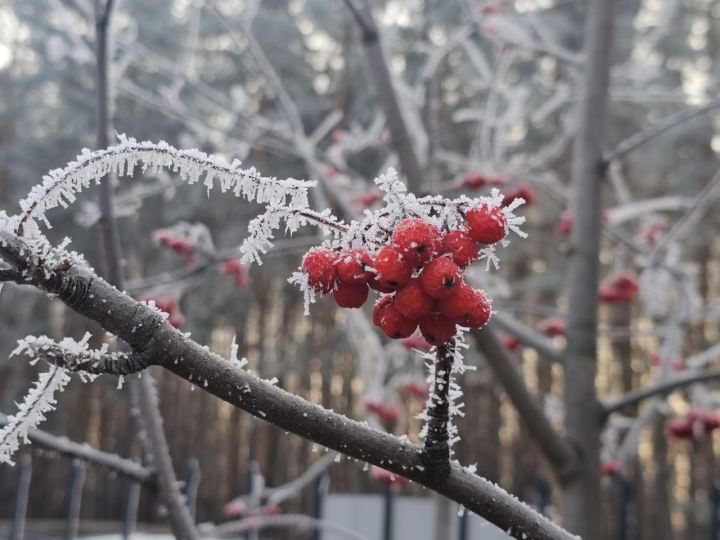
436	451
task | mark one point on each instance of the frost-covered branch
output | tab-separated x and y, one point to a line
60	186
119	314
663	386
78	357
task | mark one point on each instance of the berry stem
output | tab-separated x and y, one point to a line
436	451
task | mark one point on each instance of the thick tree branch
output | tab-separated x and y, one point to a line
125	467
666	386
557	450
146	332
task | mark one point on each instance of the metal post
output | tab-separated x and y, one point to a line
74	499
715	512
17	532
388	513
463	526
192	484
131	510
321	487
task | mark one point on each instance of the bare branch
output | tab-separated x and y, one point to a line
527	335
125	467
650	133
665	386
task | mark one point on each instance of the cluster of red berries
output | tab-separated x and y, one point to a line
695	422
238	509
235	269
619	289
178	244
422	268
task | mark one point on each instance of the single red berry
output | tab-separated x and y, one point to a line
379	307
411	301
181	246
440	277
523	191
352	266
461	246
437	329
176	320
395	325
479	313
553	326
319	265
349	295
486	225
393	270
466	306
386	477
379	285
416	239
416	342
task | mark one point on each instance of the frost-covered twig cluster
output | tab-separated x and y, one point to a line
39	401
61	186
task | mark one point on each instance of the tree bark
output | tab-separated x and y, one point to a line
582	493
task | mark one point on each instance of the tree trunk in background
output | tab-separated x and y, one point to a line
155	443
582	493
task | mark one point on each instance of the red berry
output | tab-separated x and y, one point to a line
181	246
522	191
319	265
395	325
461	246
379	285
416	239
486	225
352	266
349	295
440	277
466	306
553	326
393	270
437	329
416	342
176	320
411	301
379	307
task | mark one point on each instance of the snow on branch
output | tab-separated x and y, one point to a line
76	356
38	402
61	186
